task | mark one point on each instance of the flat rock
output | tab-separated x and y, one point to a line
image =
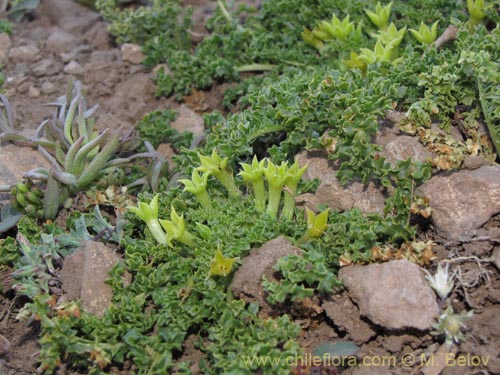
246	283
188	120
5	44
345	315
495	256
404	147
132	53
21	54
16	161
463	201
84	276
60	41
47	67
368	198
394	295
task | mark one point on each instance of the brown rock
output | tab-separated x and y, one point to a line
84	276
188	120
404	147
23	54
345	315
47	67
394	295
368	198
132	53
463	201
246	283
60	41
74	68
16	161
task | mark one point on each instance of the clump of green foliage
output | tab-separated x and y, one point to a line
5	26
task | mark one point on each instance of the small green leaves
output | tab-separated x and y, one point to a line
198	186
476	11
312	40
176	229
149	214
380	17
254	174
335	29
392	35
293	176
276	178
425	35
220	265
219	168
316	225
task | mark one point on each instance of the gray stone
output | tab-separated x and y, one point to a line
23	54
48	88
74	68
368	198
33	92
394	295
47	67
84	276
69	16
77	53
15	161
61	41
5	44
463	201
246	283
404	147
188	120
132	53
475	162
103	59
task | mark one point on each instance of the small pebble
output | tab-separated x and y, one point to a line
48	88
33	92
74	68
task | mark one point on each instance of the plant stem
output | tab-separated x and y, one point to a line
188	239
157	231
227	180
259	192
289	201
204	200
274	200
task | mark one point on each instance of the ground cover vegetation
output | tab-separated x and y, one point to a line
332	69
